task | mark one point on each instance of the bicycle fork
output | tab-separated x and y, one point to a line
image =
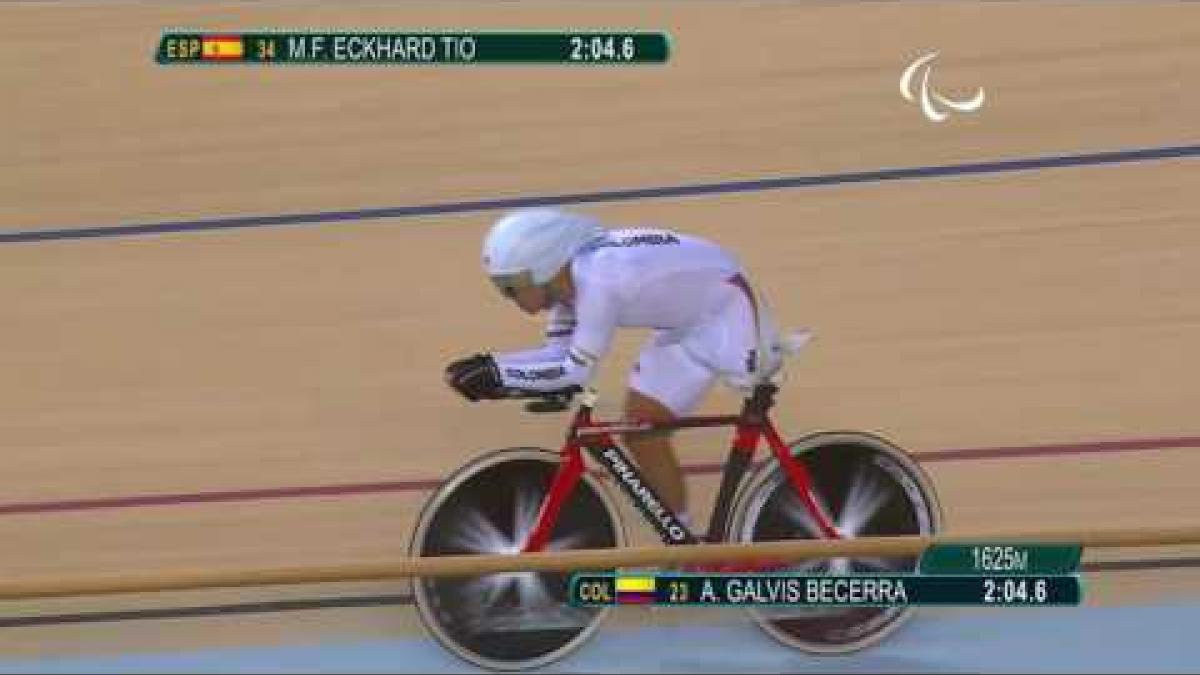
561	487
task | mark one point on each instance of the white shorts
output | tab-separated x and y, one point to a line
678	368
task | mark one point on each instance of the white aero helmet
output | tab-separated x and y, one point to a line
529	246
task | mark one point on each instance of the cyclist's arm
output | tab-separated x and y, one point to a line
570	356
559	329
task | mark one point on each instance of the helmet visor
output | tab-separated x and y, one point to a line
509	284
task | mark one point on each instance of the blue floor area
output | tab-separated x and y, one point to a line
1074	639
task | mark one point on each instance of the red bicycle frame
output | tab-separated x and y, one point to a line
750	426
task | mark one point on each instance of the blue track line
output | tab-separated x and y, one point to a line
689	190
1134	639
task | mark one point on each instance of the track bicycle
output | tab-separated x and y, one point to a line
835	484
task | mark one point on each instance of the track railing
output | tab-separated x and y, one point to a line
582	560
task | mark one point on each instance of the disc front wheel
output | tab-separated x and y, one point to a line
510	620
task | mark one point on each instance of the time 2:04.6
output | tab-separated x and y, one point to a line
1015	590
603	48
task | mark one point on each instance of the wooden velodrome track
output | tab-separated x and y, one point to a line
1016	309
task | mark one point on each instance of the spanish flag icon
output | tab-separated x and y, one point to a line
635	590
221	47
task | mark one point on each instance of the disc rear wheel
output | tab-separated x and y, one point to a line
868	487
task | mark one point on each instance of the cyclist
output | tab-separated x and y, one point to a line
707	322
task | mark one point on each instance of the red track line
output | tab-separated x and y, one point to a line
1058	449
952	454
224	496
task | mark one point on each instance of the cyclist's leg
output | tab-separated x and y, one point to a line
674	372
655	452
666	383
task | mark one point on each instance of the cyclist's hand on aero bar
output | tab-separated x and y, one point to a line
475	377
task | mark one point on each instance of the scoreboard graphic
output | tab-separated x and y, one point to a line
418	48
992	575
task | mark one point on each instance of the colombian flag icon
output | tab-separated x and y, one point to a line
635	590
221	47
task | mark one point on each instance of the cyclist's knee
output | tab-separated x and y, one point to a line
639	406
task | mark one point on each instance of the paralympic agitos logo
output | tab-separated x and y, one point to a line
933	104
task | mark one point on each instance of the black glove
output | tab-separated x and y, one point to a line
475	377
